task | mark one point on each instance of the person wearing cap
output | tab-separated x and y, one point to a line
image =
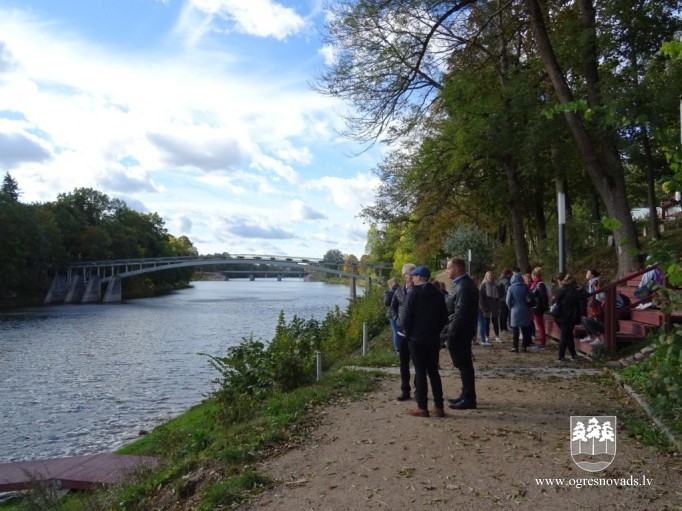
424	317
398	303
462	304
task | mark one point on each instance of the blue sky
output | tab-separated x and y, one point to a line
199	110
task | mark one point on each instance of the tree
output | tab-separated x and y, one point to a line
469	237
10	188
393	56
333	257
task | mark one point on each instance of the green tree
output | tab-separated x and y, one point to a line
10	188
333	257
467	238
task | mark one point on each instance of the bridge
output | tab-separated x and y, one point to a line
83	280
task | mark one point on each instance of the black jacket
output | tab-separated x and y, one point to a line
425	314
398	303
568	300
462	304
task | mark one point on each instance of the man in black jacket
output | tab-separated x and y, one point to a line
424	317
397	305
462	305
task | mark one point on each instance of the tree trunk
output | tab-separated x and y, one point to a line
606	173
518	232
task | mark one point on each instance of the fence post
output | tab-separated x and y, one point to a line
364	339
318	363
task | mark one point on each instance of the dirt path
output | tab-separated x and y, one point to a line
370	455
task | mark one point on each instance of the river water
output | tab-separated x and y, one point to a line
83	379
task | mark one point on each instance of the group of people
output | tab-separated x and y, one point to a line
421	317
422	321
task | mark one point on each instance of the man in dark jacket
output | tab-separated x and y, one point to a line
462	304
398	303
425	316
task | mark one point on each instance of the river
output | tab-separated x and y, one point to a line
83	379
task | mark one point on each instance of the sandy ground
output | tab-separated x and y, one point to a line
370	455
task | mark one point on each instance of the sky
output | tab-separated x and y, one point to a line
199	110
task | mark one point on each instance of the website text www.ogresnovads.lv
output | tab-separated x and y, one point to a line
581	482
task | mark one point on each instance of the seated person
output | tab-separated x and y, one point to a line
593	323
647	285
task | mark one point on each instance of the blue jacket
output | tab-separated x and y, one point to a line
518	296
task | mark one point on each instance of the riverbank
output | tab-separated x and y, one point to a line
514	450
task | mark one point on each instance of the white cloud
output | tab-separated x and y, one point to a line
301	211
261	18
231	154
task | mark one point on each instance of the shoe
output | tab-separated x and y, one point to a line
514	350
486	344
418	412
576	359
539	347
455	401
403	397
563	361
597	343
497	339
438	412
464	405
586	339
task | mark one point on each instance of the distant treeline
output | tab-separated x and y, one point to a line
39	240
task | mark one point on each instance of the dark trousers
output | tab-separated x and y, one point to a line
593	326
504	317
459	348
566	340
404	354
526	333
425	356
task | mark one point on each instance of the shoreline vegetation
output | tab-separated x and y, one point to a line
267	401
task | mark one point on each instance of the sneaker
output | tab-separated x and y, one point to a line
587	339
597	343
539	347
576	359
643	306
486	344
563	361
497	339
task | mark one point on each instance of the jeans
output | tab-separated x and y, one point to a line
396	337
404	354
481	326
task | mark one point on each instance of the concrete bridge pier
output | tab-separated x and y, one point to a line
76	290
93	290
113	294
252	277
57	291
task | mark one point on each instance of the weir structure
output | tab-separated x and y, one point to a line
84	281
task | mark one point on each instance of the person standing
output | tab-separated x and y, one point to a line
504	310
462	304
568	299
388	298
519	298
489	304
541	295
398	303
425	315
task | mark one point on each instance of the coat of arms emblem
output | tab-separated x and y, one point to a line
593	441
